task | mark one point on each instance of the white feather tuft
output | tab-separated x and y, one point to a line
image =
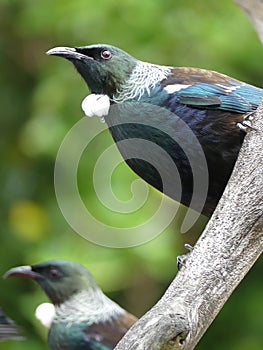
45	313
96	105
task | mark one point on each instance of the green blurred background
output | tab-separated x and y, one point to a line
40	102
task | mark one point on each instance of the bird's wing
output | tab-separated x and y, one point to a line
8	328
199	88
106	335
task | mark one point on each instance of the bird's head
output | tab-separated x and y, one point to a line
60	279
105	68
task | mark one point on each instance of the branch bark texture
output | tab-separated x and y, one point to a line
227	249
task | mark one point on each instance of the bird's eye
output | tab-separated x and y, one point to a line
105	54
54	273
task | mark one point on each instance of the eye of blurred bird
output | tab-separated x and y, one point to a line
55	273
105	54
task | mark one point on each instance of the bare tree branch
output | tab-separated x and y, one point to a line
227	249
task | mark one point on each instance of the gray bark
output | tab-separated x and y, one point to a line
227	249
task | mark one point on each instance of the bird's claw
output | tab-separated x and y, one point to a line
96	105
181	259
246	124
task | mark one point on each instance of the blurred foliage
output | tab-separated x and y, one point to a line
40	102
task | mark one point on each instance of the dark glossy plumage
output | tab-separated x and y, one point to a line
209	103
84	317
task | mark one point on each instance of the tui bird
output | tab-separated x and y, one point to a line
8	329
85	318
159	104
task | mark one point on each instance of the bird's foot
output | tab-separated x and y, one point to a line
246	124
181	259
96	105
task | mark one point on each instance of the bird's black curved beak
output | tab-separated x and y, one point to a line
23	271
68	53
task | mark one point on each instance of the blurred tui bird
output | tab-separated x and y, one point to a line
152	102
85	318
8	329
